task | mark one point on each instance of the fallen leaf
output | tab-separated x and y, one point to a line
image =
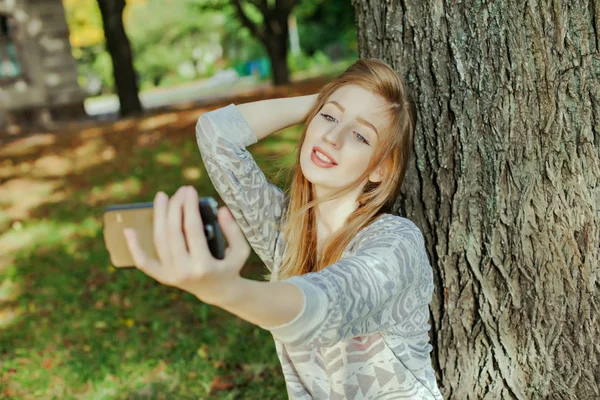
115	299
221	383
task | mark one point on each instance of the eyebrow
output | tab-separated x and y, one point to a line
359	119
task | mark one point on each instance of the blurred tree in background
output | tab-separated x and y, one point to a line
117	44
322	25
178	41
100	44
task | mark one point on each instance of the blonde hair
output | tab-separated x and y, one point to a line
394	148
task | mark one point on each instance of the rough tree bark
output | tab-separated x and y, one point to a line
505	184
119	49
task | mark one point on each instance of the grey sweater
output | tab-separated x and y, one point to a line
363	330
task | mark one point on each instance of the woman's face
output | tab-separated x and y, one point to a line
342	138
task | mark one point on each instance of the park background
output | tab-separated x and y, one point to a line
71	325
503	182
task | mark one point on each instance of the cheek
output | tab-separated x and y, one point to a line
309	139
360	158
313	128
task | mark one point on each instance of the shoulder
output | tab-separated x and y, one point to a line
394	226
392	232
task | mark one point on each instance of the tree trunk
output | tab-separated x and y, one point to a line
273	33
277	48
505	185
118	46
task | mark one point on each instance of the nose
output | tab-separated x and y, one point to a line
333	135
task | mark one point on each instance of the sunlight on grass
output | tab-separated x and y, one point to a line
75	327
168	158
157	121
27	144
115	190
91	133
37	233
52	165
9	291
191	173
17	206
122	125
9	316
148	138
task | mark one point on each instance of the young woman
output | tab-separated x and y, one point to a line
347	299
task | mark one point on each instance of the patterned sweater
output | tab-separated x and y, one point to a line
363	330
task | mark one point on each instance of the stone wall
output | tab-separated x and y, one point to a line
48	78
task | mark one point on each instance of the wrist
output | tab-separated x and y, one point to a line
306	104
220	292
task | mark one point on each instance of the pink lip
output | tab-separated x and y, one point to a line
320	150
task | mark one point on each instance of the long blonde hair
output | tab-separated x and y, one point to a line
394	146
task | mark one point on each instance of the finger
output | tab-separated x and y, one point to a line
193	226
238	249
160	227
143	262
175	239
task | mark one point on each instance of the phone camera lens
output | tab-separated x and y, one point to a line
213	205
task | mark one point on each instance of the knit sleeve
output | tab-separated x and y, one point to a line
256	204
388	281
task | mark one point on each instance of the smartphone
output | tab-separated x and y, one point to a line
140	217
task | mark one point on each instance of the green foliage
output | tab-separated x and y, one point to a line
327	25
182	35
178	41
304	62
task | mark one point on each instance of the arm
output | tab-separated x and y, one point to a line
269	116
222	136
346	299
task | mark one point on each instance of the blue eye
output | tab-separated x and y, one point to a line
328	117
361	137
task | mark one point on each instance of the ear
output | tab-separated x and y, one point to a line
381	172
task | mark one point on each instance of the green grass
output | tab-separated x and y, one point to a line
74	327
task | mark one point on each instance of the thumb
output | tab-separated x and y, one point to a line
238	249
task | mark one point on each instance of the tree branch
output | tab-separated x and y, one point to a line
246	21
263	6
285	5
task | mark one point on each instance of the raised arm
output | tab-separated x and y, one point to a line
222	136
269	116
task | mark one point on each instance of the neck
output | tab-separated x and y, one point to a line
332	215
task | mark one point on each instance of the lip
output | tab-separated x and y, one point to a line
320	150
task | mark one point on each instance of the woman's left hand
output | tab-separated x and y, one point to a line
185	261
